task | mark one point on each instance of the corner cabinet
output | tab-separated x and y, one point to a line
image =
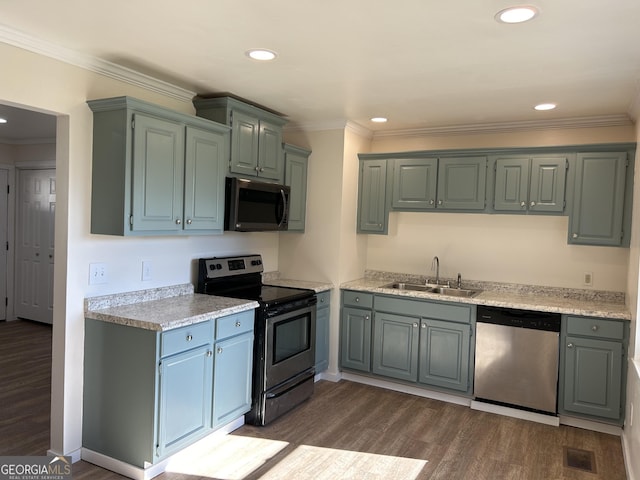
295	176
256	136
597	216
530	184
155	171
148	394
593	368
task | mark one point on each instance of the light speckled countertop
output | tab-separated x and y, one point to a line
163	308
559	300
273	278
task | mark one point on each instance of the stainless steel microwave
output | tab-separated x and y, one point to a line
255	206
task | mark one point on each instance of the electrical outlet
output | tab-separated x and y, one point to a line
98	274
146	271
588	279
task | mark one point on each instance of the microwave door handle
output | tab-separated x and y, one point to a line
284	209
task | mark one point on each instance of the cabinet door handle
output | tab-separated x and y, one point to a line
415	325
366	317
523	204
575	235
209	353
570	345
424	325
219	350
189	338
178	221
533	204
189	221
431	202
439	202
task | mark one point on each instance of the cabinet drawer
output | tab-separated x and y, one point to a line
186	338
357	299
595	327
324	298
234	324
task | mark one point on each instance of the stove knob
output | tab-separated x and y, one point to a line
212	266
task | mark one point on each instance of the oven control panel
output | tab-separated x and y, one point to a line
218	267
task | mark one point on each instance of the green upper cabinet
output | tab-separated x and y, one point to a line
414	183
456	183
295	176
256	136
597	214
530	184
373	212
155	171
462	183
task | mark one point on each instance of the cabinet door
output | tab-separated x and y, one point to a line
548	179
245	132
395	347
270	157
158	169
462	183
296	178
232	378
185	398
372	214
414	183
205	168
322	338
593	377
355	339
598	201
444	354
512	184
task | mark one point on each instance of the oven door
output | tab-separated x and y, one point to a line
290	345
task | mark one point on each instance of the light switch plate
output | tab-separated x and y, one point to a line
98	274
146	271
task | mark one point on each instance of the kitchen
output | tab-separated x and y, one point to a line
336	253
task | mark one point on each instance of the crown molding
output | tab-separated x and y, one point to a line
33	44
330	125
516	126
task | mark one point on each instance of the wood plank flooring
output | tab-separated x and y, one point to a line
346	430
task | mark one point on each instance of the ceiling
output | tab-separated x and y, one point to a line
423	64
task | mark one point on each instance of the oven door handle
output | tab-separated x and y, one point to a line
279	391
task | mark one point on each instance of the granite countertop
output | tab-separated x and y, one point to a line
163	308
274	279
558	300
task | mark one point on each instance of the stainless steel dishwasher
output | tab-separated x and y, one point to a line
517	358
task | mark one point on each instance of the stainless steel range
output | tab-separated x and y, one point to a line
284	334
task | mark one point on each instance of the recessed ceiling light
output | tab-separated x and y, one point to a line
379	119
517	14
261	54
3	120
545	106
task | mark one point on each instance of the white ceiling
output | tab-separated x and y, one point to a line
421	63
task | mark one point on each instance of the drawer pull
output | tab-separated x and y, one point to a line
594	328
238	324
189	338
357	299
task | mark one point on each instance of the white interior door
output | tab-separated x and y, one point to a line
35	244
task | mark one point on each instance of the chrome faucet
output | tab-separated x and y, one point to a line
436	262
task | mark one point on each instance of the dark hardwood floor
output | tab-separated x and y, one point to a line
346	430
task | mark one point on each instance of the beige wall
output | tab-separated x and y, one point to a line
504	248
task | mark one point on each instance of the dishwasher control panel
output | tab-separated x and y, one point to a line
512	317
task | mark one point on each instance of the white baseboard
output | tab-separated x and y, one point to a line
76	455
516	413
330	377
591	425
150	470
626	452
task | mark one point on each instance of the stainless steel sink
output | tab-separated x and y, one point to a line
409	286
449	291
455	292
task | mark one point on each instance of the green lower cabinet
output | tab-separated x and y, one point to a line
355	339
185	398
445	354
395	350
592	368
232	378
322	331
